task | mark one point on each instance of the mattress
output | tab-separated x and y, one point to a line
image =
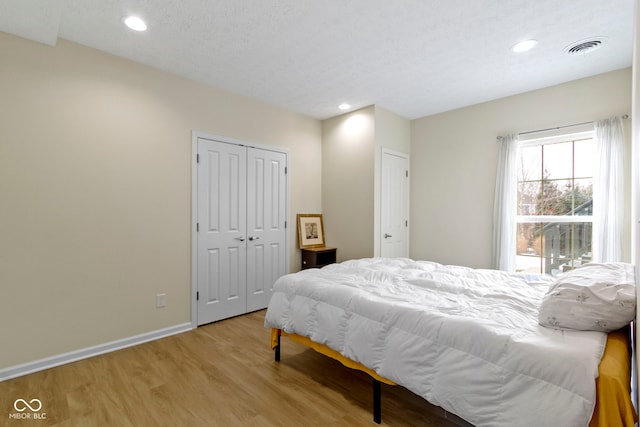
464	339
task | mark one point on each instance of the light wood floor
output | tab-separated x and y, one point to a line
221	374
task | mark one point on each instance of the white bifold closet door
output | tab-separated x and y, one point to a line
241	227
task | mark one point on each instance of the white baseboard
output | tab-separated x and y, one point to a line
61	359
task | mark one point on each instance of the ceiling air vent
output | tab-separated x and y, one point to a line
585	46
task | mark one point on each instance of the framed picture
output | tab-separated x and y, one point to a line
310	231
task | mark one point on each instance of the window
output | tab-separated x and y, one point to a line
554	217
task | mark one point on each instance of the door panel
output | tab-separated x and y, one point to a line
222	230
266	217
395	205
212	281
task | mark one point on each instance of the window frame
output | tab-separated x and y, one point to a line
538	139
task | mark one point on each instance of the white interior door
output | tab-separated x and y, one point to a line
221	247
266	220
394	217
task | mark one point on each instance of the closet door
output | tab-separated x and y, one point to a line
241	220
266	217
221	269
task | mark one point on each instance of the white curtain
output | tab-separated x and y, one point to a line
504	206
608	191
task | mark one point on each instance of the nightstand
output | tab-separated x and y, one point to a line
318	257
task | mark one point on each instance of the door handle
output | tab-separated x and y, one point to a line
386	236
241	238
253	238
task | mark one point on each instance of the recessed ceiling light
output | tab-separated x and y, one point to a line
524	46
344	106
135	23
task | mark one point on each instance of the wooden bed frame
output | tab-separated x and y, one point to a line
614	405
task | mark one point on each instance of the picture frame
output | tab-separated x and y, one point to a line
310	231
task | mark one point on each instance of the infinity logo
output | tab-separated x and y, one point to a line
24	405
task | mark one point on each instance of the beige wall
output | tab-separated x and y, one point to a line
352	145
392	131
454	158
348	144
95	192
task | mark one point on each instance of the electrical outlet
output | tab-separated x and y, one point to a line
161	300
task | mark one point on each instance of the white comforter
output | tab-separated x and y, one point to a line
466	340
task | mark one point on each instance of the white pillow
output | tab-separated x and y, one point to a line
593	297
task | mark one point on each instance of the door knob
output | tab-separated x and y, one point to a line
241	238
386	236
253	238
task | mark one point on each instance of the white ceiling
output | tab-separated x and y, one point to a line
413	57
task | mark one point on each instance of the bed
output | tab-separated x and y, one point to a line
464	339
